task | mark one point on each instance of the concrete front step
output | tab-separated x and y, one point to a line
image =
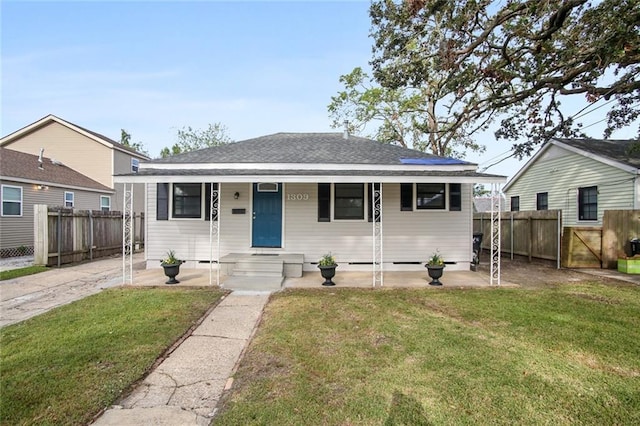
288	265
259	267
245	273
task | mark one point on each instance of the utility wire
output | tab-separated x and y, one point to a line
497	156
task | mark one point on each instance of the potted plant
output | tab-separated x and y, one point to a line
327	265
171	265
435	266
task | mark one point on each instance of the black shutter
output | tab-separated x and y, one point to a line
455	197
207	202
162	201
406	197
324	202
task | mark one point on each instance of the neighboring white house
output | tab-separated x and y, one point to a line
581	177
83	150
309	194
26	180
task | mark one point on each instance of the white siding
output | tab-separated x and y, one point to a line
190	237
560	173
408	236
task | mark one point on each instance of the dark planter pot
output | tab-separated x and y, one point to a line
328	272
435	272
171	271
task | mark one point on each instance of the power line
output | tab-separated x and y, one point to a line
593	124
578	115
497	156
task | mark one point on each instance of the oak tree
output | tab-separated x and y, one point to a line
516	58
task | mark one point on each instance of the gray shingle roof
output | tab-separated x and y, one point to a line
15	164
617	150
308	148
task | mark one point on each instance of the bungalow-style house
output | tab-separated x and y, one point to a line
87	152
581	177
26	180
302	195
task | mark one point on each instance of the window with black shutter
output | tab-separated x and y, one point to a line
324	202
349	201
162	201
455	197
406	197
187	199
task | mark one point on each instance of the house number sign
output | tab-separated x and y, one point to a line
297	197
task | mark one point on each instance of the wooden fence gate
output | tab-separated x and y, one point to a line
582	247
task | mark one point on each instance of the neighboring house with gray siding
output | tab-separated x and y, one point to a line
26	180
581	177
309	194
83	150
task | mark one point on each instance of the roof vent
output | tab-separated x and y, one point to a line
345	132
56	162
40	159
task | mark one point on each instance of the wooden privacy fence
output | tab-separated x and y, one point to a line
64	235
618	228
534	234
539	234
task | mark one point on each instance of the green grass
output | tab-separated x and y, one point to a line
64	366
566	354
21	272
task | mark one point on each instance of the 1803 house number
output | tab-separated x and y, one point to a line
297	197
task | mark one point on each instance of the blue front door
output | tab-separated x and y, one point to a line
267	215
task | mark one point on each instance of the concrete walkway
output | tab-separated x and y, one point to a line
185	388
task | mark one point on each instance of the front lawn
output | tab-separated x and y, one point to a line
64	366
567	354
21	272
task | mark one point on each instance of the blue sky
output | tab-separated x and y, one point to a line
153	67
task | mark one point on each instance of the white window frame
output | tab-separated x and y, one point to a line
172	202
11	201
445	195
364	203
73	199
135	165
108	206
266	187
579	203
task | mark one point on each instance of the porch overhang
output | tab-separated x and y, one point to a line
307	176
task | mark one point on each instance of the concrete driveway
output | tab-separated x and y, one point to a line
25	297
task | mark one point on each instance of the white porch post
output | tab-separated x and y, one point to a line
214	232
378	272
127	233
495	234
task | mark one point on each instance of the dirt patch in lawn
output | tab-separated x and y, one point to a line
539	273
